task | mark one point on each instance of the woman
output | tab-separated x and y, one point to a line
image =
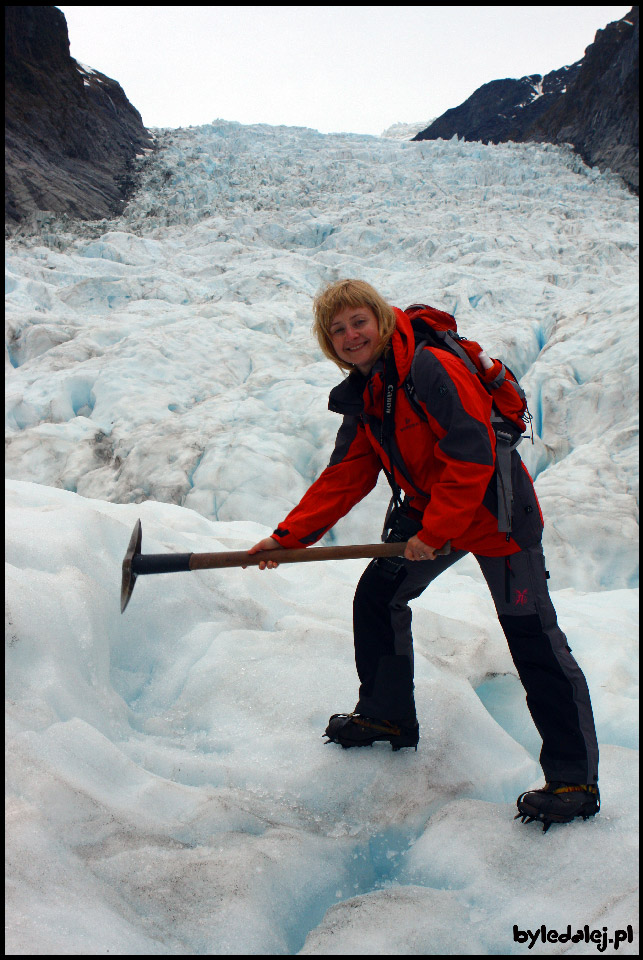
438	446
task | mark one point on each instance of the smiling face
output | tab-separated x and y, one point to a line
355	336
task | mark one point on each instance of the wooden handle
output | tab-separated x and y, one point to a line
241	558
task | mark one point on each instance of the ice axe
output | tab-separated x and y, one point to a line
137	564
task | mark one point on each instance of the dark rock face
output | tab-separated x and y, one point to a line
503	109
71	134
600	114
594	105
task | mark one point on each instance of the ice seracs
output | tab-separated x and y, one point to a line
168	789
210	276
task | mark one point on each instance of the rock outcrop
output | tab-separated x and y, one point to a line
600	113
502	109
593	105
71	135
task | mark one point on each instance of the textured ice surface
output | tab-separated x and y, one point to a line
168	790
167	355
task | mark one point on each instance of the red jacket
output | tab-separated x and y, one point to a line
444	464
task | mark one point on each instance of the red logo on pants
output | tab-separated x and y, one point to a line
521	597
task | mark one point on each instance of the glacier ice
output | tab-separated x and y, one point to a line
194	307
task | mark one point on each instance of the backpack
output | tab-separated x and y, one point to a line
509	412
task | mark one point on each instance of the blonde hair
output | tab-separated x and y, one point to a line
349	293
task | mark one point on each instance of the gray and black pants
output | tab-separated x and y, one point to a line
557	693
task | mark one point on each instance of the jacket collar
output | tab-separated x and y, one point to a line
348	396
403	343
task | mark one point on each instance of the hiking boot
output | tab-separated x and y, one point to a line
354	730
558	802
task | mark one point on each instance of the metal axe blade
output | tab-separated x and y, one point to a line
129	577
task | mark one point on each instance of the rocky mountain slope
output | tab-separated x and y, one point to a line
502	109
71	134
600	114
594	105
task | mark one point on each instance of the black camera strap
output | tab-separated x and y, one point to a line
387	431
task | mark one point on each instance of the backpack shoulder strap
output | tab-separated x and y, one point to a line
409	383
508	437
